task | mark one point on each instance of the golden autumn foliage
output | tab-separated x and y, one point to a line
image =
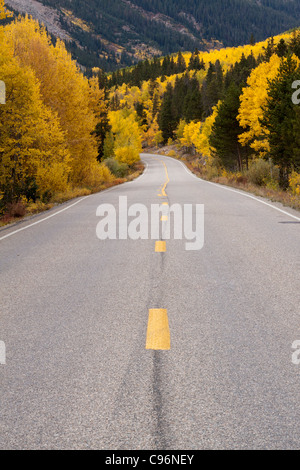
46	126
243	117
230	55
196	134
4	13
48	141
127	136
295	183
191	132
253	99
153	136
64	89
32	142
203	145
227	57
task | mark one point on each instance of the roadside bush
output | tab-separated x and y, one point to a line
295	183
16	209
262	172
37	207
128	155
116	168
241	179
96	175
212	169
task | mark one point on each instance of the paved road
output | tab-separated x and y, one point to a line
75	312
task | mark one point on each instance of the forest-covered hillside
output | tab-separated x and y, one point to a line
63	134
231	108
114	33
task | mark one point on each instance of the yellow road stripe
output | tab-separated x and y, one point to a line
163	189
160	247
158	332
165	204
167	182
164	218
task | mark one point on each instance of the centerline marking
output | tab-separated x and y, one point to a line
158	332
160	246
163	190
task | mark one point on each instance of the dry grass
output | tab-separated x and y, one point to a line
241	182
14	211
59	198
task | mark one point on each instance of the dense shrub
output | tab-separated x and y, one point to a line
116	168
261	172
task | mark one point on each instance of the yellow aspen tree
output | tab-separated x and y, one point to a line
190	134
202	143
153	136
253	98
128	140
63	88
32	146
4	13
180	129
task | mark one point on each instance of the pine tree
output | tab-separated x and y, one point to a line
212	89
181	65
108	146
155	107
166	121
270	49
191	65
102	129
252	41
281	49
141	114
226	131
153	85
280	119
294	44
192	107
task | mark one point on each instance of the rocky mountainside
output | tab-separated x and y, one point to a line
115	33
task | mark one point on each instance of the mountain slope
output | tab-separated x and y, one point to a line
120	32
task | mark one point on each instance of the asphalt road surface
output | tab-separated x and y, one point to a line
77	314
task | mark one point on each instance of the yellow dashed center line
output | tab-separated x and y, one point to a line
163	190
158	332
160	247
